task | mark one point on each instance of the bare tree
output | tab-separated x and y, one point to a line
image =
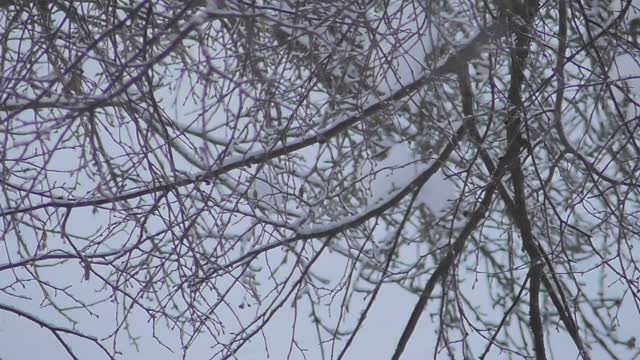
201	167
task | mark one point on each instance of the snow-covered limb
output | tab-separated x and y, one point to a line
65	102
344	122
63	255
314	231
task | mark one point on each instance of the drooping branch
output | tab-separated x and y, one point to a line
56	331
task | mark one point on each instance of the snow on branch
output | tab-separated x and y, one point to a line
467	49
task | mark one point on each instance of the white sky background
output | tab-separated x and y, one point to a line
21	339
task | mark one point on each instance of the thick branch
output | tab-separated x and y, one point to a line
534	311
519	213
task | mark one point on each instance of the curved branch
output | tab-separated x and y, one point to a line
469	49
56	330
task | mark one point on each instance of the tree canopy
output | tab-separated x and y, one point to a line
238	179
